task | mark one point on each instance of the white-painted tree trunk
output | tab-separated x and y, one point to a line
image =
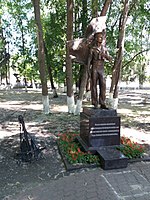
45	100
33	84
54	93
115	105
110	100
113	102
65	89
78	107
88	95
70	104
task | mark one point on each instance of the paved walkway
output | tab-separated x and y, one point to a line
131	183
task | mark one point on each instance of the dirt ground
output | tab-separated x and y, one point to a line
15	176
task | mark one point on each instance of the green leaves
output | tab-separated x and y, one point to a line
131	149
20	21
73	150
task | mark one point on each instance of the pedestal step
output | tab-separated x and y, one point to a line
111	158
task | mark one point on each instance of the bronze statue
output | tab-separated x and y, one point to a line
91	52
97	55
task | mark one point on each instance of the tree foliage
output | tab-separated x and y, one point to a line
54	23
19	29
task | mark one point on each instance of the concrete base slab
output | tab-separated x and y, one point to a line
111	158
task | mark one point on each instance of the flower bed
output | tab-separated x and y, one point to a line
131	149
73	153
73	150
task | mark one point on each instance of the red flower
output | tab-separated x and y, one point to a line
74	157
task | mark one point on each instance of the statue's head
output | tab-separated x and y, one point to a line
98	37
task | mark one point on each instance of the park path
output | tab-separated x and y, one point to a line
45	128
14	176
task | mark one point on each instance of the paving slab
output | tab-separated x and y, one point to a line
96	184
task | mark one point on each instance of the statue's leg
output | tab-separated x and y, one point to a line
102	91
88	88
88	83
94	88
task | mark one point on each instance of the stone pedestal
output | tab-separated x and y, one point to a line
100	132
99	127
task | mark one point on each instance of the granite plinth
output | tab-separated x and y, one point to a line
100	133
111	158
99	112
99	127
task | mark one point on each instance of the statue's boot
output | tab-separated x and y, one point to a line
103	106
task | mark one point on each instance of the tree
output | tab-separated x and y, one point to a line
53	20
18	18
4	55
83	76
119	55
69	78
137	45
49	69
105	7
54	23
41	56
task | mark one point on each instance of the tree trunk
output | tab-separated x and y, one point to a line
69	78
55	95
49	69
119	56
105	7
81	89
141	75
23	52
41	56
83	68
